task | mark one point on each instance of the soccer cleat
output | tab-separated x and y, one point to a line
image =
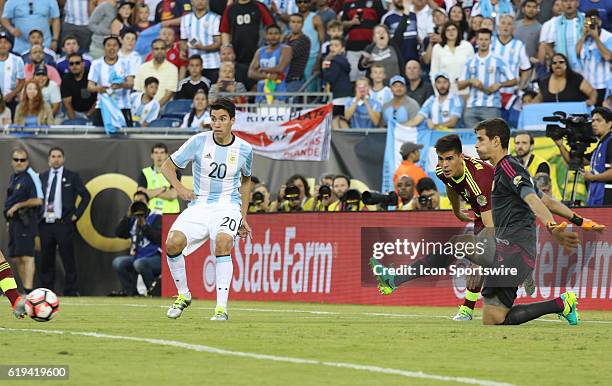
529	285
19	308
220	314
176	310
570	312
386	282
464	314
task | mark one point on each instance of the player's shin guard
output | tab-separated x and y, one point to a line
474	285
177	269
522	313
8	285
224	270
429	261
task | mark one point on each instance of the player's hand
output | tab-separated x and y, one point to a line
590	225
564	237
464	217
185	194
245	230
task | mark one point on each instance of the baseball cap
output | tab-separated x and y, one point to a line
397	78
409	147
40	69
4	35
442	74
292	192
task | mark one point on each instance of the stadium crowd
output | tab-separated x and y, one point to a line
438	63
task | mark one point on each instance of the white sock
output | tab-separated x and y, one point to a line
223	273
177	268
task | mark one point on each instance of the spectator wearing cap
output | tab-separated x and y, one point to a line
76	21
291	201
19	17
100	76
161	69
78	101
418	88
100	25
450	55
442	110
411	154
12	72
361	112
50	90
37	56
401	108
36	38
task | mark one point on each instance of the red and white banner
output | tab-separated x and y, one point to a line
280	134
316	257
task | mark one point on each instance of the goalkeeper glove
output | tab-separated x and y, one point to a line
586	224
567	239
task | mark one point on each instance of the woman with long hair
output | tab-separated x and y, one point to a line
565	85
457	16
199	117
381	51
123	21
32	109
450	56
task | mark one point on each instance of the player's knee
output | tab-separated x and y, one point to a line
175	243
223	245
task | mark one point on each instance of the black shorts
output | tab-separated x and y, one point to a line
504	287
21	239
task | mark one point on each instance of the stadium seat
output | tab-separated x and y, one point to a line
166	122
76	122
176	108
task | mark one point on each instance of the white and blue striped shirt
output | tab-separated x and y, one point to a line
100	72
382	96
514	55
595	69
203	30
11	70
76	12
143	112
488	70
133	57
217	169
441	112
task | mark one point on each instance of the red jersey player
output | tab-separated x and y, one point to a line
9	288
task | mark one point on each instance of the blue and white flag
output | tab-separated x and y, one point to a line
145	39
112	116
531	115
397	134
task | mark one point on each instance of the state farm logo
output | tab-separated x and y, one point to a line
281	263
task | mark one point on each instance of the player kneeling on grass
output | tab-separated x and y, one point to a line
221	164
9	288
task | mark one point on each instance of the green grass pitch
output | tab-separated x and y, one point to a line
129	341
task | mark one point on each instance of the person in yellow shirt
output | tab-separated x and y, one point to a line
523	148
163	197
161	69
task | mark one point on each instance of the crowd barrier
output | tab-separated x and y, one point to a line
317	257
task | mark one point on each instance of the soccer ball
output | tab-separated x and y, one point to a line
42	305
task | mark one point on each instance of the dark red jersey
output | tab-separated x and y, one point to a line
474	186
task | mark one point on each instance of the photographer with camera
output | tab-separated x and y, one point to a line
260	199
23	199
291	201
594	51
324	199
427	198
143	228
394	200
348	200
600	175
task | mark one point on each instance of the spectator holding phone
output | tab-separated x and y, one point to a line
362	112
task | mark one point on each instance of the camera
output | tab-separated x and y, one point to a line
139	208
324	192
376	198
578	132
425	202
258	198
592	22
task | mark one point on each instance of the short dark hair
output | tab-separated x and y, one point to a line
342	176
69	37
159	145
32	32
55	148
273	26
337	39
72	55
524	132
528	1
424	184
111	37
196	57
334	23
151	79
141	193
128	31
484	31
158	40
448	143
605	113
297	15
495	127
224	104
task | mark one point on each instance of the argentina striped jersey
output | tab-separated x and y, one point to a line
489	70
203	30
514	55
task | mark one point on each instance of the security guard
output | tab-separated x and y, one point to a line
21	209
163	197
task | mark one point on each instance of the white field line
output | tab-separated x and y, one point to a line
273	358
315	312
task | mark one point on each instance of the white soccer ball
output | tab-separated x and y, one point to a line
42	304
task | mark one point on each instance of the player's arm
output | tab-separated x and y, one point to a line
168	169
560	209
487	218
245	196
567	239
453	197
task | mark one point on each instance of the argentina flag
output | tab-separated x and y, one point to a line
112	116
145	39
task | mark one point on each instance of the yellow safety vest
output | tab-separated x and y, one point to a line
533	168
157	180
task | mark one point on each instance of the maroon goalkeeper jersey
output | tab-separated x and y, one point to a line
474	186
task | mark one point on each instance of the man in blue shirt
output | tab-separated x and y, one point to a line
20	17
362	112
23	199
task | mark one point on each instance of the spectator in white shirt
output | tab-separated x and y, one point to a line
450	56
50	90
199	117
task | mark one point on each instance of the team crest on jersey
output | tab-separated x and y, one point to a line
445	113
512	51
233	158
482	200
491	69
517	180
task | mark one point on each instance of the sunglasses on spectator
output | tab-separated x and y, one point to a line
20	159
75	63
